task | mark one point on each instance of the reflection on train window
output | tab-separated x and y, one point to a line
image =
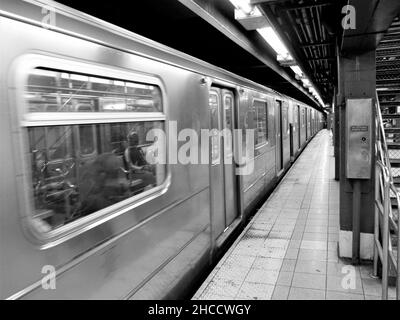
90	164
303	115
58	148
261	121
57	91
69	183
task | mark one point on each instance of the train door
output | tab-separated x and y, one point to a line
228	118
299	126
292	130
279	136
306	122
222	171
312	123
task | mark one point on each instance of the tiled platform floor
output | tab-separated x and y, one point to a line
289	249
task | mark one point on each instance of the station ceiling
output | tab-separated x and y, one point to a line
388	67
207	29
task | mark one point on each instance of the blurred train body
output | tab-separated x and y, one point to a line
70	94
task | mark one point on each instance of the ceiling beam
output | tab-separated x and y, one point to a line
286	5
318	44
251	42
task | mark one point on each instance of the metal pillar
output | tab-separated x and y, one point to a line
356	221
356	80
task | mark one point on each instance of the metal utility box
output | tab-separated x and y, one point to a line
358	138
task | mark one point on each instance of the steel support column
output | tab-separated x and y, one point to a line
356	80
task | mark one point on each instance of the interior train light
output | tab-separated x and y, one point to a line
273	40
243	5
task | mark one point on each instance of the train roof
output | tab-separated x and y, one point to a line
81	25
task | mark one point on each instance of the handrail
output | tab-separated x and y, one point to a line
384	184
382	137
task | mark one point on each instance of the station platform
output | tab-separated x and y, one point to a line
290	248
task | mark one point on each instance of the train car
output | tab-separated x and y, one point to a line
79	219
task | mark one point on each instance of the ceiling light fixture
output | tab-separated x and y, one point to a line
273	40
243	5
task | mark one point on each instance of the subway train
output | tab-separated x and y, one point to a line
85	213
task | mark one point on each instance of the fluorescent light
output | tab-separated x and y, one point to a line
297	70
243	5
242	14
273	40
278	46
306	82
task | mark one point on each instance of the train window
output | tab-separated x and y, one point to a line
303	114
57	91
261	121
90	164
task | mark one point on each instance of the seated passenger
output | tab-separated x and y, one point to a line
100	184
137	163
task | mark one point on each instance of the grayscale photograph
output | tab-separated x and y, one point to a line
200	158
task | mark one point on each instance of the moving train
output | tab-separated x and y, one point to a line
77	219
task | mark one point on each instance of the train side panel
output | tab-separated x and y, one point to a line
262	179
152	248
117	257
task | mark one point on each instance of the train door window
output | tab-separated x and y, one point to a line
298	126
228	124
85	159
285	120
55	148
215	125
303	116
86	134
87	140
261	113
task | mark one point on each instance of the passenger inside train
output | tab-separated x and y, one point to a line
139	168
102	184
